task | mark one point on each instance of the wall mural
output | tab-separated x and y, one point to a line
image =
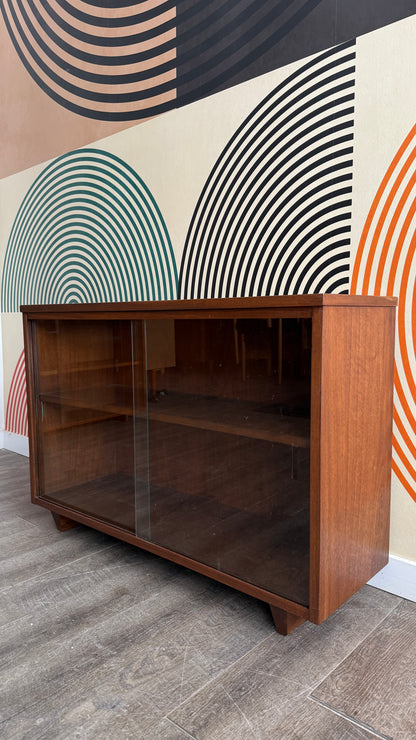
88	230
111	61
274	216
386	265
120	60
274	204
227	41
16	411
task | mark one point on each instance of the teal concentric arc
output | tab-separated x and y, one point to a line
88	231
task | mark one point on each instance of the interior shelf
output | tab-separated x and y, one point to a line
111	400
269	422
90	366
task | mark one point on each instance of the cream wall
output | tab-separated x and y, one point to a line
1	387
403	523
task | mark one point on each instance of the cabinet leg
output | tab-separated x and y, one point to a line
62	522
285	622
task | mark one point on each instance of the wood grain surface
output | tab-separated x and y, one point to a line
214	304
350	508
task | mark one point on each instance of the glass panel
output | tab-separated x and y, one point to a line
142	503
85	417
229	411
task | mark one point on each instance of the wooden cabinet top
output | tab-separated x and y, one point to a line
215	304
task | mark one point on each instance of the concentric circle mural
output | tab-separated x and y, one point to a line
88	230
113	61
386	265
223	42
275	214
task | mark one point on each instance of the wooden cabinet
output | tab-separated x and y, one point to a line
247	439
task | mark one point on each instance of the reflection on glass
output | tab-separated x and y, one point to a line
85	417
194	434
229	410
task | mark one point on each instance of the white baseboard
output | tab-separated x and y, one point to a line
398	577
15	443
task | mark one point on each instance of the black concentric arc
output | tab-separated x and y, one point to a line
275	214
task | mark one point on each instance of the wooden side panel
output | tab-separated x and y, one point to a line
353	505
315	464
31	414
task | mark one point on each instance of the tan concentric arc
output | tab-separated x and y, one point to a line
386	264
118	64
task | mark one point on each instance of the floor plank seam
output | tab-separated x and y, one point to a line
352	720
23	710
87	630
6	625
386	616
295	683
54	570
178	727
36	526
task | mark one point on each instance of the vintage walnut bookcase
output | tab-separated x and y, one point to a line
248	439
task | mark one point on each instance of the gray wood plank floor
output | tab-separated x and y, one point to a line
101	640
377	682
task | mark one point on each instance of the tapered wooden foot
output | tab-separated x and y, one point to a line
62	522
285	622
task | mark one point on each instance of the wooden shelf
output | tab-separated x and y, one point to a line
242	418
83	367
109	401
228	416
52	428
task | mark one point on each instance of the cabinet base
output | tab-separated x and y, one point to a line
284	622
62	522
